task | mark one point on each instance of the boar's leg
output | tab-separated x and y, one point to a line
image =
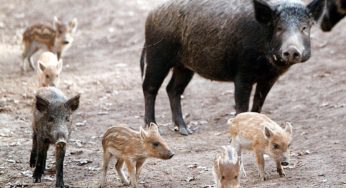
262	89
160	58
33	156
180	79
243	87
42	148
60	149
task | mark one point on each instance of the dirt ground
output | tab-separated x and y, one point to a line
103	65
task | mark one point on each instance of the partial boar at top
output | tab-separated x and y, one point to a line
56	39
132	148
333	12
226	168
248	42
49	69
258	133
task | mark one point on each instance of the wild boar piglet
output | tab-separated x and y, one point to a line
258	133
132	148
49	69
226	168
56	39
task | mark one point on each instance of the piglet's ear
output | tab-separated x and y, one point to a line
73	25
40	66
56	22
267	132
263	12
59	66
288	128
143	133
153	127
73	103
41	104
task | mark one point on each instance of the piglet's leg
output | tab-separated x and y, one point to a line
279	169
119	169
260	165
60	155
132	172
139	165
42	148
33	156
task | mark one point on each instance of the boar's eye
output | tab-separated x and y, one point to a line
235	177
223	177
276	146
156	144
50	119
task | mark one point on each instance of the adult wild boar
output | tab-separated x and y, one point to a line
248	42
333	12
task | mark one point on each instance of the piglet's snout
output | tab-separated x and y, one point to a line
170	155
61	142
285	162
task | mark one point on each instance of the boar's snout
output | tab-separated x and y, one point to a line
292	54
61	142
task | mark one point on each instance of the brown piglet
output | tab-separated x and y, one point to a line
257	132
56	39
132	148
226	168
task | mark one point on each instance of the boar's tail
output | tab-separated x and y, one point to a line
142	61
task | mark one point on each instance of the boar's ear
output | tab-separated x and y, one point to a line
288	128
316	8
59	66
267	132
142	133
153	127
73	25
263	12
73	103
41	104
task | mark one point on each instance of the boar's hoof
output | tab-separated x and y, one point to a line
185	131
32	164
37	179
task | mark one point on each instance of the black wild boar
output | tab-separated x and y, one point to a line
333	12
51	125
247	42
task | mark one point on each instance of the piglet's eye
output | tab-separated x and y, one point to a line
276	146
50	119
47	76
67	118
235	177
156	144
223	177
